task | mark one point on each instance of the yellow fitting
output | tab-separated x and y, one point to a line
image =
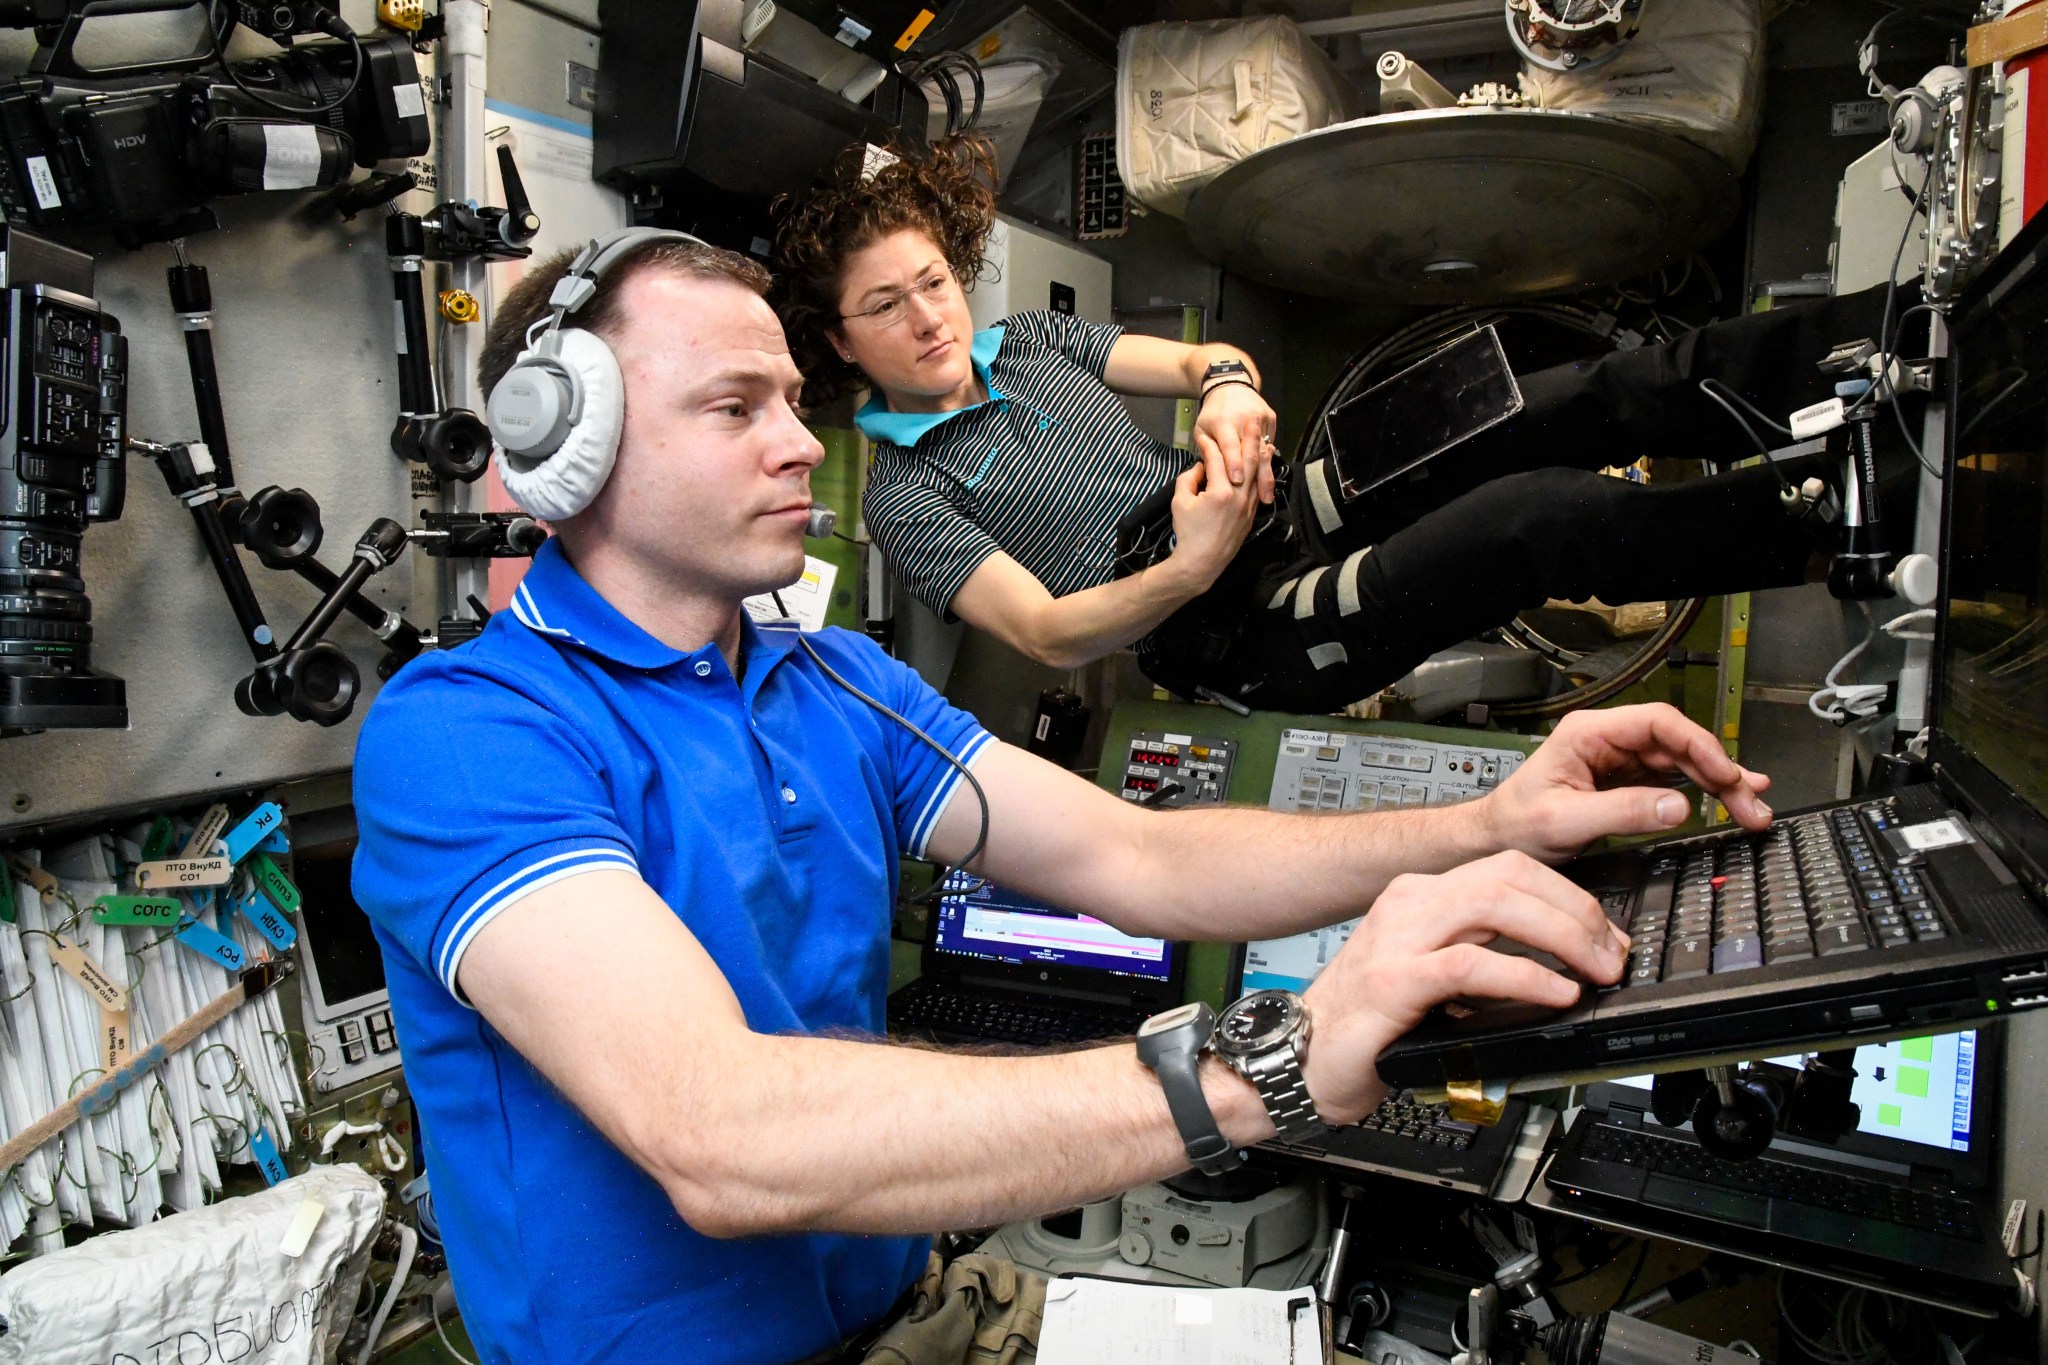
459	305
409	15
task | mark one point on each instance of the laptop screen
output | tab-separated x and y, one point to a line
1915	1090
995	924
1993	701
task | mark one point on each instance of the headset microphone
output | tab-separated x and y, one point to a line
821	522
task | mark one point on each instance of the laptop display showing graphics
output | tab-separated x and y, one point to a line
1899	914
999	966
1905	1196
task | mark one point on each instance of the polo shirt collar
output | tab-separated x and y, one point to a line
906	429
554	600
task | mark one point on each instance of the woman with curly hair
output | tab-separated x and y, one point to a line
1005	465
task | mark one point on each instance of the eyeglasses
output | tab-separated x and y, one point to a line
895	305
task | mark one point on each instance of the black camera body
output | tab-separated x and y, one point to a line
143	154
63	417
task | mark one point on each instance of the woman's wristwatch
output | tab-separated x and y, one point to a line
1224	372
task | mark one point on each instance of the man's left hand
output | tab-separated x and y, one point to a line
1610	772
1236	423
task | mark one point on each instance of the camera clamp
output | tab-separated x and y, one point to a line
451	441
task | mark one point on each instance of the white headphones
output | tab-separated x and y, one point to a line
555	416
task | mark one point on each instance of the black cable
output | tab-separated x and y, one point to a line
938	886
1752	409
1642	1257
217	32
1762	450
850	540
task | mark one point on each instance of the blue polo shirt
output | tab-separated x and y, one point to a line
769	811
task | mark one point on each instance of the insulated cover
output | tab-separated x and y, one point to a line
208	1285
1192	100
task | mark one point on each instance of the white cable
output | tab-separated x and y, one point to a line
408	1243
434	1308
1839	703
1893	626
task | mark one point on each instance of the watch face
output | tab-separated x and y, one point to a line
1258	1021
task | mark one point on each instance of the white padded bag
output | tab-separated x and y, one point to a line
202	1287
1193	100
1696	68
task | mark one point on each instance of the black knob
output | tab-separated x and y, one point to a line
281	525
524	535
318	683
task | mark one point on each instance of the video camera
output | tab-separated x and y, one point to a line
141	149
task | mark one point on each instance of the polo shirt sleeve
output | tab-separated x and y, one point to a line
453	834
1087	344
933	545
924	782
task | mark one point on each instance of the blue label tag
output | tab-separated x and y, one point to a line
261	822
268	919
277	841
212	945
267	1158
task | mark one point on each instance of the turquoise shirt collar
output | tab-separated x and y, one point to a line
906	429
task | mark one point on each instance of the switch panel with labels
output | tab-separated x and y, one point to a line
1170	771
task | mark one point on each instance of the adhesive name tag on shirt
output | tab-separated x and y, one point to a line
1935	834
264	1148
270	879
173	874
137	910
268	919
87	973
259	825
213	945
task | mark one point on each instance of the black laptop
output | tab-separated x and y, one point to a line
1909	1192
1000	967
1909	912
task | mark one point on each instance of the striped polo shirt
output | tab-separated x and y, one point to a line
1042	470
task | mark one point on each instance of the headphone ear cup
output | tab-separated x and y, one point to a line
561	484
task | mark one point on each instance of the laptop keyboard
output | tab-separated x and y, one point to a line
1402	1115
925	1006
1930	1212
1811	886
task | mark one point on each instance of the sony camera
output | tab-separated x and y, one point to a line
141	154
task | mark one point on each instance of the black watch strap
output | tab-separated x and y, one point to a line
1175	1054
1223	368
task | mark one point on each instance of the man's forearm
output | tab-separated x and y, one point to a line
831	1135
1290	872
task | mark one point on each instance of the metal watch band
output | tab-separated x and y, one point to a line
1278	1079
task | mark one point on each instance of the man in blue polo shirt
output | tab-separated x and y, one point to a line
631	860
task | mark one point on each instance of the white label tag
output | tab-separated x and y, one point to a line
173	874
88	974
1818	419
43	183
300	1232
410	100
291	156
215	820
1934	834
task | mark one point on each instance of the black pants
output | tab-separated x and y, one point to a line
1331	601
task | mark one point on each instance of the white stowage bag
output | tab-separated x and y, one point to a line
208	1287
1193	100
1696	68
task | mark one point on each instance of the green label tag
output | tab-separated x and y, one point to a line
6	894
161	839
270	879
136	910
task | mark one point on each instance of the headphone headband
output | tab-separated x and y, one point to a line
578	284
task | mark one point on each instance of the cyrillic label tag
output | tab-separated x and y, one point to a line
253	829
137	910
267	1159
161	839
277	841
271	880
26	871
268	919
114	1048
87	973
205	832
178	874
212	945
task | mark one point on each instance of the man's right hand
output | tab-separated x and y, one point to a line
1424	943
1211	518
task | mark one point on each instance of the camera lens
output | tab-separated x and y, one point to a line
60	473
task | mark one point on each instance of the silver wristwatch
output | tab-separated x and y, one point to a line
1264	1038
